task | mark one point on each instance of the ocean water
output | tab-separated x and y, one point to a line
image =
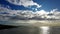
32	30
32	27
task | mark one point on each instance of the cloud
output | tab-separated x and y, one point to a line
8	14
25	3
55	14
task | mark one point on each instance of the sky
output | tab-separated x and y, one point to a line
29	9
46	5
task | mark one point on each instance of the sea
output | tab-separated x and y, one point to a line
32	27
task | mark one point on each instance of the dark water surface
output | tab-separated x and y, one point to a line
32	30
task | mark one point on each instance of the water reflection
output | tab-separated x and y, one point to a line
32	30
44	29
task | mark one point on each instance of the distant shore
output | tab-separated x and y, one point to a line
31	22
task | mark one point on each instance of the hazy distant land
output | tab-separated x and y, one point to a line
32	22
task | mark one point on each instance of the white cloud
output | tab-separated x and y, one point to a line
55	14
25	3
41	12
27	14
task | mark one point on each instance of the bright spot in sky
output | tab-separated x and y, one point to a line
36	9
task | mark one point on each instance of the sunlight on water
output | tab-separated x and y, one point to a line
44	30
